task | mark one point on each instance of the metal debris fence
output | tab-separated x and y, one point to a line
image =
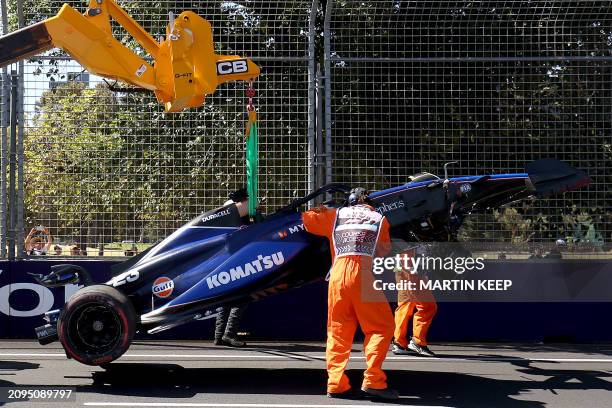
364	93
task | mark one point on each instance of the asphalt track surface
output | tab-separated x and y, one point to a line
197	374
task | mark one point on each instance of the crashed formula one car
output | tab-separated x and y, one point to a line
212	261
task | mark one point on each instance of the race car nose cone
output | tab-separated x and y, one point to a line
98	325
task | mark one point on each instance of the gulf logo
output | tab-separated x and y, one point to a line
163	287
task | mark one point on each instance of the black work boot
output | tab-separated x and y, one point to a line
385	393
349	394
233	342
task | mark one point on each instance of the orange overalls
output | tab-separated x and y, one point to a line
407	301
356	234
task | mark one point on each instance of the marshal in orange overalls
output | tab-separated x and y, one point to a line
422	301
356	234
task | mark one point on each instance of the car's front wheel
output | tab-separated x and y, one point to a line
97	325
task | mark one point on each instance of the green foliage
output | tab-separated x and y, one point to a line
581	230
104	169
518	229
68	155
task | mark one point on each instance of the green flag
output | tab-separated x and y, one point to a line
252	163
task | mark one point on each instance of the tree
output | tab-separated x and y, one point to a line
69	149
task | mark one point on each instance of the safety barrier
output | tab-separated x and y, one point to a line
300	314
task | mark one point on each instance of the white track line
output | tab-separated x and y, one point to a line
477	359
195	404
32	354
154	356
474	359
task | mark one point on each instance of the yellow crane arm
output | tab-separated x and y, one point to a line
185	66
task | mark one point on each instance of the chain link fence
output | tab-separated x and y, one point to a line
109	172
489	84
405	87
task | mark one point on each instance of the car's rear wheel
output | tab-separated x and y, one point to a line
97	325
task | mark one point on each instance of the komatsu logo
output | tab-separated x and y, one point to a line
262	263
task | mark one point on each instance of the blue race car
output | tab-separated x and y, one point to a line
214	260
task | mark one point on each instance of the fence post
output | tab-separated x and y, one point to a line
321	153
5	112
20	128
312	78
20	199
4	123
327	68
12	162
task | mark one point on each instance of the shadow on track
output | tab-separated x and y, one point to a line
170	381
7	368
580	348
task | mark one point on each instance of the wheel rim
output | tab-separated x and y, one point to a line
95	328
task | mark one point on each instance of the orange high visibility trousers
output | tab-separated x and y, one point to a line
425	312
346	309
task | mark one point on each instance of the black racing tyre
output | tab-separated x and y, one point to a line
97	325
